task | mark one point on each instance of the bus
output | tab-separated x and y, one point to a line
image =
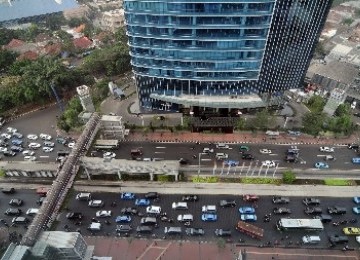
288	224
106	144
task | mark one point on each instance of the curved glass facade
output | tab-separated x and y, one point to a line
218	47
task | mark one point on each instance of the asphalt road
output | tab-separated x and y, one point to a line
309	155
227	218
29	198
43	121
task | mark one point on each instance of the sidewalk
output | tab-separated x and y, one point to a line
237	137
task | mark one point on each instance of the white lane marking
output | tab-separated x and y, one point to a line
273	154
159	152
321	155
160	147
206	160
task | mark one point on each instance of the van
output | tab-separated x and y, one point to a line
220	156
311	239
222	146
173	230
185	218
144	229
94	226
83	196
20	220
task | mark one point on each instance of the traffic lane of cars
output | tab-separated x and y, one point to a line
308	153
29	198
227	217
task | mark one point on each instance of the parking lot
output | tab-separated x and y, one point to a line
227	218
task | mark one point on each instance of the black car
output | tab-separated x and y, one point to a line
74	215
183	161
190	198
281	211
324	218
247	156
9	153
313	210
291	158
194	231
311	201
336	239
15	148
8	190
336	210
129	211
227	203
13	212
280	200
152	195
123	228
223	232
16	202
353	146
144	229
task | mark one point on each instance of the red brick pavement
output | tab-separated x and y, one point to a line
242	137
141	249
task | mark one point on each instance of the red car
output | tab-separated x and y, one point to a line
250	197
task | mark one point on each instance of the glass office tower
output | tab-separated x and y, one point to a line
220	53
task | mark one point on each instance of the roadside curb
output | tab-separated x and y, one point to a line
31	111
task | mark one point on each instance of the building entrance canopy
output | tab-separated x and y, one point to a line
216	101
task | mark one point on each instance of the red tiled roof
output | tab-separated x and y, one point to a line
29	55
52	49
15	43
82	43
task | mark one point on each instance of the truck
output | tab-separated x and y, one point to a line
250	230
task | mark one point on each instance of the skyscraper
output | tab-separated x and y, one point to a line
220	54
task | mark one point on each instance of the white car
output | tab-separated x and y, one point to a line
327	149
47	149
268	163
30	158
32	137
32	211
265	151
28	153
6	135
34	145
208	150
103	213
109	155
48	144
71	144
357	239
3	149
45	137
11	130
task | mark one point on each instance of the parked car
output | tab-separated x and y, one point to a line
32	137
352	231
34	145
327	149
30	158
208	209
123	219
96	203
280	200
11	130
313	210
222	232
321	165
17	135
152	195
9	153
123	228
144	229
231	163
5	136
47	149
103	213
74	215
194	231
282	211
142	202
336	239
222	146
127	196
247	156
329	158
356	210
265	151
189	198
353	146
244	148
17	142
311	201
208	150
8	190
337	210
268	163
153	210
209	217
109	155
246	210
248	217
180	205
129	211
13	212
45	137
32	211
227	203
250	198
28	153
16	202
48	144
15	148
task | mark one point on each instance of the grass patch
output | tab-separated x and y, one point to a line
338	182
204	179
261	181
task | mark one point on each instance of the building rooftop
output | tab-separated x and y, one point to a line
109	118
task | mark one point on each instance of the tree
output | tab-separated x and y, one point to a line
6	59
261	120
316	104
313	122
288	177
343	110
240	124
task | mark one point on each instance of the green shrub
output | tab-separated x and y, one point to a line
260	181
337	182
204	179
165	178
288	177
